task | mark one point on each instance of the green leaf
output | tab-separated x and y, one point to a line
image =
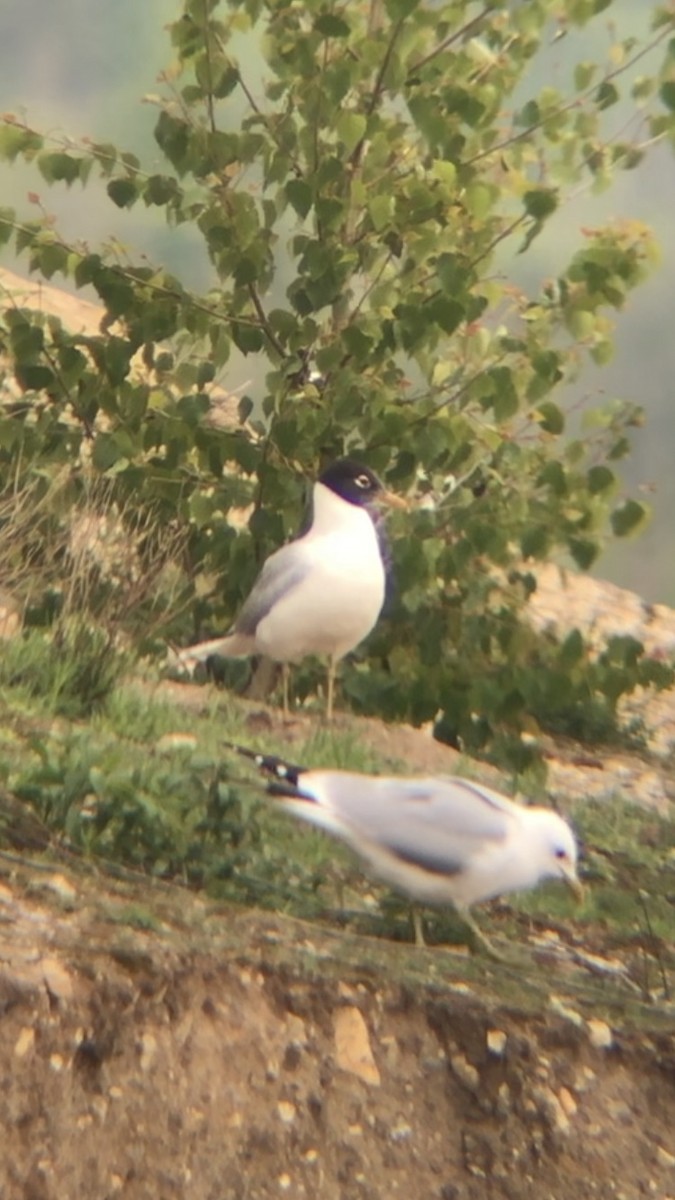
550	417
15	141
350	127
105	452
667	94
32	377
123	192
600	479
447	313
540	202
583	75
606	95
330	25
247	338
584	552
445	172
58	167
300	196
628	517
159	189
381	210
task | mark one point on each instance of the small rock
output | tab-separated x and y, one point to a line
503	1102
24	1042
567	1101
618	1110
584	1079
148	1049
600	1034
496	1042
401	1131
286	1111
551	1110
353	1052
465	1072
563	1010
284	1181
61	886
58	981
664	1158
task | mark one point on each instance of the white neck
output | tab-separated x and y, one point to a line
331	512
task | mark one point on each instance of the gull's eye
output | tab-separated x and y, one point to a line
560	853
362	481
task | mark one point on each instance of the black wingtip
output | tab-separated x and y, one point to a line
288	773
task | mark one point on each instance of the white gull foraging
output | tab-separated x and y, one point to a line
320	594
438	840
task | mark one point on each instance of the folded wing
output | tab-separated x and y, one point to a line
281	573
435	824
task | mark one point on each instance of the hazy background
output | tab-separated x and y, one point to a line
82	67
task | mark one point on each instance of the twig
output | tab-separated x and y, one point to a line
262	317
448	41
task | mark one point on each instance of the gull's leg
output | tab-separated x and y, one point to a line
285	672
480	943
418	925
332	666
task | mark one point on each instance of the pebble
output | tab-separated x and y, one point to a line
563	1010
465	1072
147	1045
353	1051
552	1110
61	886
24	1042
567	1102
600	1034
401	1131
496	1042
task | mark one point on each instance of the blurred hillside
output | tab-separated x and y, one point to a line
83	67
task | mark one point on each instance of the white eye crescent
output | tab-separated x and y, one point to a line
362	481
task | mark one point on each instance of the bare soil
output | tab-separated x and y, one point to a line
223	1055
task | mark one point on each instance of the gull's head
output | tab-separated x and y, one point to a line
556	848
357	484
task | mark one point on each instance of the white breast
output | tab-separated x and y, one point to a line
337	604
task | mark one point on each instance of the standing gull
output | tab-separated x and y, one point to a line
322	593
439	840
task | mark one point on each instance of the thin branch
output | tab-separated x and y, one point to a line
357	153
574	103
500	237
257	109
209	72
373	283
158	289
262	317
448	41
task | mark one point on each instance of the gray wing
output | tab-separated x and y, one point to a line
281	572
436	824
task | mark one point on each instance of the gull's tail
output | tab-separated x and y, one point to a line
234	645
286	776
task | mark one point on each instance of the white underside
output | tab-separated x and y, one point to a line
338	603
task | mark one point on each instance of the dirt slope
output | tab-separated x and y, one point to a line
234	1056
